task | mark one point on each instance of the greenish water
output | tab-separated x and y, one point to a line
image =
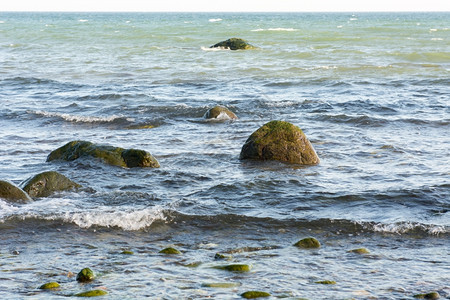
370	90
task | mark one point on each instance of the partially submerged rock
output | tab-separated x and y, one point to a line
85	275
10	192
111	155
49	286
359	251
169	250
235	268
308	243
234	44
220	113
44	184
93	293
224	285
432	295
254	294
279	140
326	282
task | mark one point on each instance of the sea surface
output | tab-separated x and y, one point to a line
370	90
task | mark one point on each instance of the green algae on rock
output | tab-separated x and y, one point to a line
115	156
308	243
224	285
169	250
220	113
10	192
44	184
325	282
359	251
49	286
92	293
85	275
234	44
282	141
127	252
431	296
254	294
235	268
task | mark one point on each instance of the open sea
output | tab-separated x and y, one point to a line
370	90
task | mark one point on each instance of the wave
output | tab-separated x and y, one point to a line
275	29
215	20
80	119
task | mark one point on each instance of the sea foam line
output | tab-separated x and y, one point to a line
79	119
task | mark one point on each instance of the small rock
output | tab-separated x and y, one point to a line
220	113
220	256
326	282
254	294
432	296
49	286
235	268
44	184
85	275
93	293
233	44
360	251
170	250
308	243
225	285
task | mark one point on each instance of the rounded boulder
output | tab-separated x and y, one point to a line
10	192
46	183
220	113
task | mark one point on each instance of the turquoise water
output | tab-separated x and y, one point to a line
370	90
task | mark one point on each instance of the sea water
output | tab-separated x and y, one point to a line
370	91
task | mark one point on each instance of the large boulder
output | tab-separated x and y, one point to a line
44	184
116	156
279	140
10	192
233	44
220	113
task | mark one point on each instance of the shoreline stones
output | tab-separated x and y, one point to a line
116	156
220	113
233	44
10	192
282	141
44	184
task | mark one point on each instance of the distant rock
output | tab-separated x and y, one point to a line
49	286
10	192
170	251
116	156
46	183
85	275
432	295
235	268
254	295
279	140
308	243
92	293
359	251
234	44
220	113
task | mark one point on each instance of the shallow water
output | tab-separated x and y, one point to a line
369	90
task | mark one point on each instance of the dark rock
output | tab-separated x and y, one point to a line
234	44
85	275
44	184
254	294
111	155
10	192
279	140
432	296
220	113
308	243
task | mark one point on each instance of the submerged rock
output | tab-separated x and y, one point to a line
93	293
234	44
49	286
224	285
44	184
85	275
359	251
235	268
10	192
326	282
254	294
111	155
170	250
279	140
308	243
432	295
220	113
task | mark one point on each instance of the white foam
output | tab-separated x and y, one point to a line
82	20
215	20
275	29
433	30
79	119
215	49
400	228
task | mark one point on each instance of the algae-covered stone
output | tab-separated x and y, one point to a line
282	141
432	295
326	282
127	252
111	155
234	44
224	285
220	113
254	294
359	251
49	286
170	250
220	256
10	192
85	275
308	243
235	268
44	184
93	293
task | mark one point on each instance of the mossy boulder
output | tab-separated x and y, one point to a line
234	44
85	275
170	250
220	113
93	293
10	192
49	286
432	296
44	184
116	156
235	268
308	243
282	141
254	294
359	251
